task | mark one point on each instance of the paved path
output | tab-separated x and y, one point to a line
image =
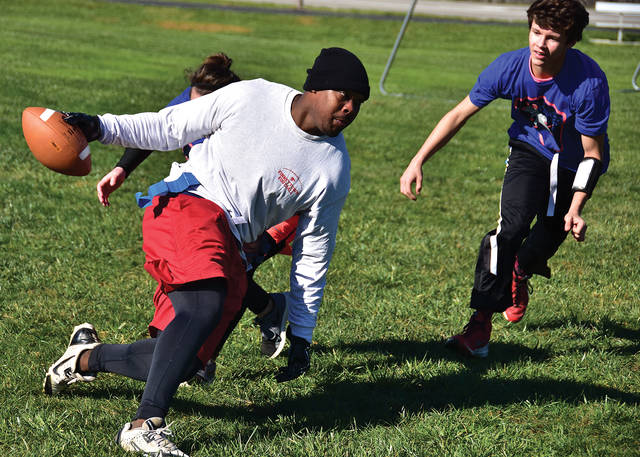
478	11
467	10
464	10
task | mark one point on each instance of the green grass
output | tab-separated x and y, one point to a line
565	381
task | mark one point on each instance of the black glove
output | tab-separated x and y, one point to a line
299	359
90	125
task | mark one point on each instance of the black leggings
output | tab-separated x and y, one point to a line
131	360
134	360
164	362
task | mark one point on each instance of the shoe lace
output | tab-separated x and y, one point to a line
473	323
160	436
522	282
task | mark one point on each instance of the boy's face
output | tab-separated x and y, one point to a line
336	109
548	48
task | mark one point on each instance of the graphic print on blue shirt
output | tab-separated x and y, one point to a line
543	116
550	114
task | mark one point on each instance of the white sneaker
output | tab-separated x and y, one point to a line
150	439
64	371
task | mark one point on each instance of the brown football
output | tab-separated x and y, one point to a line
56	144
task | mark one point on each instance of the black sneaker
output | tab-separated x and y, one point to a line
273	327
204	376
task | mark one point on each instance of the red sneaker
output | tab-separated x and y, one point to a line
520	289
474	340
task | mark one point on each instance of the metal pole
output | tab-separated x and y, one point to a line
620	29
396	45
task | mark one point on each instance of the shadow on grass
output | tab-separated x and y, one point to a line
606	327
399	351
339	404
342	404
385	400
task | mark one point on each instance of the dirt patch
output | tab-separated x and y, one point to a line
306	20
203	27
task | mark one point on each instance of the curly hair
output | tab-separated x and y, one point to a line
563	16
212	74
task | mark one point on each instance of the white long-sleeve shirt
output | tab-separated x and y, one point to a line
261	168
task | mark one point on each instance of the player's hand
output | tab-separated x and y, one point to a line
90	125
109	183
574	223
413	174
260	250
299	359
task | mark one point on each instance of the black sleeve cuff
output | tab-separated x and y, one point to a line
132	158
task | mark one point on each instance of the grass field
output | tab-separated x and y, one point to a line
565	381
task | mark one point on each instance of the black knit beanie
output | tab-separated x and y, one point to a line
337	69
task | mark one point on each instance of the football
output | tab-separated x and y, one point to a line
56	144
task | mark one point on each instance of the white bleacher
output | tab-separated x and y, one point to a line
623	16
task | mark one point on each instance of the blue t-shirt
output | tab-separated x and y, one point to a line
185	96
550	114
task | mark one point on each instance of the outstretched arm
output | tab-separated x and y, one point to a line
446	128
593	147
125	166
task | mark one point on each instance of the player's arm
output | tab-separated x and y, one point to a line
584	183
129	161
171	128
312	251
131	158
446	129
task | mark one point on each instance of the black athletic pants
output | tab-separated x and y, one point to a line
131	360
134	360
525	196
198	308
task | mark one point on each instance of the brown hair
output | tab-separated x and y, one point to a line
563	16
212	74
